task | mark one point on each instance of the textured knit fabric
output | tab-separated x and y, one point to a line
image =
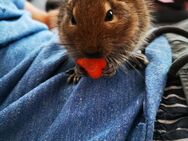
172	117
179	45
36	103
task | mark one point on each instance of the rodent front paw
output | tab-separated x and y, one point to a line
74	75
73	78
139	60
110	70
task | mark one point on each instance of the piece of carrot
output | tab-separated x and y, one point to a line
94	67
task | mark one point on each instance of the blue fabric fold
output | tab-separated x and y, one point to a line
159	55
36	103
9	9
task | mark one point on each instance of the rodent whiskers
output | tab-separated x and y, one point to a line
124	57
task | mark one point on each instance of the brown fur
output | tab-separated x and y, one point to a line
116	39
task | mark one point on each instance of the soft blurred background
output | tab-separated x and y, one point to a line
39	3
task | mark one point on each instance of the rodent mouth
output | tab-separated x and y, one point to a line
94	55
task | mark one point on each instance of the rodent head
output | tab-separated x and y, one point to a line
102	28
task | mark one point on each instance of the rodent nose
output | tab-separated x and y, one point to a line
93	54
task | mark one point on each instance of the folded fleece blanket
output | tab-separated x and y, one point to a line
36	103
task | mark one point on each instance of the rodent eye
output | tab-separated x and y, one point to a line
73	21
109	15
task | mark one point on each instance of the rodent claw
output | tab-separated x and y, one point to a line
139	61
110	70
73	79
73	76
70	71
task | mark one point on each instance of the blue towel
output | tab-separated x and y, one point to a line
36	103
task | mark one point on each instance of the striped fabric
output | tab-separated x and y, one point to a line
172	117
